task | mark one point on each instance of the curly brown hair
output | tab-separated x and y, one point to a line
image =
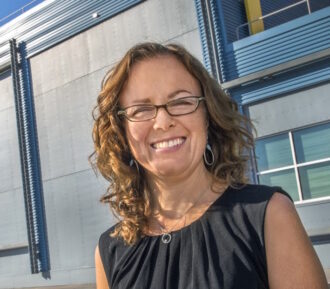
229	134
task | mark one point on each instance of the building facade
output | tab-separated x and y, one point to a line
52	61
272	57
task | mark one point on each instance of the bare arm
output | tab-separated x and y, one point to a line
291	259
101	278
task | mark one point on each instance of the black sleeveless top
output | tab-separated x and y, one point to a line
224	248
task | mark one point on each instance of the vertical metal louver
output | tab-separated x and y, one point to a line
211	37
30	161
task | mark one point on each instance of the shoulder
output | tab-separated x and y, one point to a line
291	259
255	194
105	237
247	204
108	244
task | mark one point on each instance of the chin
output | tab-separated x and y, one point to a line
169	169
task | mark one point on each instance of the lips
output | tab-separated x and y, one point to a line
168	143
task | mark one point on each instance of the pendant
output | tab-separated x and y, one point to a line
166	238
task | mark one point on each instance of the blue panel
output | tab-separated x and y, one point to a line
294	39
54	21
318	4
233	15
269	6
203	34
284	83
212	35
30	161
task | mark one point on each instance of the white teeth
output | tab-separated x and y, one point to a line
168	144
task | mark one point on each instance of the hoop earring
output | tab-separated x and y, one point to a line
134	162
209	149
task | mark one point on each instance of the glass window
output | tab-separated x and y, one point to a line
273	152
311	150
315	180
312	143
285	179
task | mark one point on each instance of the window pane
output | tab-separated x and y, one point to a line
312	143
273	152
285	179
315	180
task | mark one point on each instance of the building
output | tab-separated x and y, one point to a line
52	61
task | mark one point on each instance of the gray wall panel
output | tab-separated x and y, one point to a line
66	80
191	41
104	44
10	177
315	216
6	90
75	219
323	251
12	220
291	111
60	277
64	119
12	266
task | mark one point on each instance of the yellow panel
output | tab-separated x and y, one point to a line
253	12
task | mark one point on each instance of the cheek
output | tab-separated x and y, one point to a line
136	136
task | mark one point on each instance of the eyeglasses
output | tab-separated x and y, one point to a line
176	107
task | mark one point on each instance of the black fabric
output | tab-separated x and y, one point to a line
224	249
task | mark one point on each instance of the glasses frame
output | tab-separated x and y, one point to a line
122	112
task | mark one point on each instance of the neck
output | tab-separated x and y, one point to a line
172	197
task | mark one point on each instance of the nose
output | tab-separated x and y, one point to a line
163	120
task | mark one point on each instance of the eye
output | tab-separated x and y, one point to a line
184	101
135	111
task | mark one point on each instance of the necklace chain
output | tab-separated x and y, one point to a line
166	233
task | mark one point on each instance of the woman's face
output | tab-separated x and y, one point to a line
166	146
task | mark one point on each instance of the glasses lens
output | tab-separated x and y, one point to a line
140	112
182	105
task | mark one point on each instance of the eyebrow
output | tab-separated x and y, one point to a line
171	95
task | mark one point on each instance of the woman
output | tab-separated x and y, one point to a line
171	144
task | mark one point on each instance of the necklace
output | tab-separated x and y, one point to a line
166	233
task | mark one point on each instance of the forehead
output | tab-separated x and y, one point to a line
156	78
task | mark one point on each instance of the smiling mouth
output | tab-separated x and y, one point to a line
169	143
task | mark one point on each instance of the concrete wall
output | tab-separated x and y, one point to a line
66	80
298	109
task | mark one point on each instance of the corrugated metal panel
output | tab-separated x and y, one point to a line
212	37
284	83
203	34
269	6
283	43
219	39
318	4
30	162
234	15
54	21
